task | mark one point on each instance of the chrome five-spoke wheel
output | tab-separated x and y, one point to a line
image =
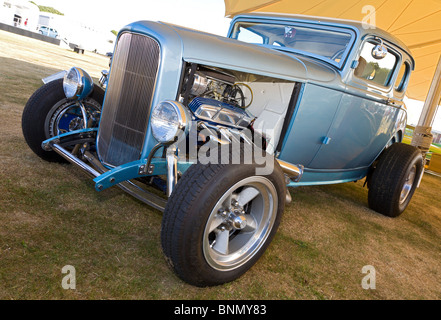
220	219
240	223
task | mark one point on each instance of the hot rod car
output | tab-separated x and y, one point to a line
213	130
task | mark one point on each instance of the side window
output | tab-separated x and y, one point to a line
249	36
374	70
402	77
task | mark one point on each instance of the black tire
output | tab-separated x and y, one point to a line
190	209
395	179
38	109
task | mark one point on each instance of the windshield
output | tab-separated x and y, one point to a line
330	44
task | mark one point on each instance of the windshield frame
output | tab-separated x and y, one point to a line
347	29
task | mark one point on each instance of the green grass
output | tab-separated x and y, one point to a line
51	216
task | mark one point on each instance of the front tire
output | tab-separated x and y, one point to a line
48	113
395	179
219	221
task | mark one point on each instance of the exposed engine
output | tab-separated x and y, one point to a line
214	96
240	102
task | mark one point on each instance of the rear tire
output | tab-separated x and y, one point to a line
395	179
40	110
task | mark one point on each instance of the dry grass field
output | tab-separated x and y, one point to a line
51	216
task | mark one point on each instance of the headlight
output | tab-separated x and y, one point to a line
169	120
77	84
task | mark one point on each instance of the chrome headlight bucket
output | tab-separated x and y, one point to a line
77	84
169	120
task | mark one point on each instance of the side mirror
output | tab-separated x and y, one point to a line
379	51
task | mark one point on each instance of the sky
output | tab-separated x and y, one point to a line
205	15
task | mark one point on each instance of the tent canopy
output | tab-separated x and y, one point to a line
415	22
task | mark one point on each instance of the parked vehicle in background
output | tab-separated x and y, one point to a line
48	31
222	126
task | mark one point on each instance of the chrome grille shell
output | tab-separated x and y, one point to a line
128	100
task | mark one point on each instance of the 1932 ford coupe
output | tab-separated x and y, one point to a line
220	127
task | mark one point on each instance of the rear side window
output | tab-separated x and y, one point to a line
377	71
402	77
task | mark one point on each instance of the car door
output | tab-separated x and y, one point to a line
311	122
365	120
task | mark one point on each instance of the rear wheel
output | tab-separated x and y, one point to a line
395	179
219	221
48	113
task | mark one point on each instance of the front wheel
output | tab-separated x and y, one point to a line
49	113
395	179
219	221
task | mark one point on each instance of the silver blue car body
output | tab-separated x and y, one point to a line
339	124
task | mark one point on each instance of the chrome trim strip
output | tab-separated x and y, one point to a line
83	113
55	76
131	188
71	158
294	172
143	195
172	169
128	186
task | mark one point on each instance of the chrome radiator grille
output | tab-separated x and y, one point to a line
129	94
